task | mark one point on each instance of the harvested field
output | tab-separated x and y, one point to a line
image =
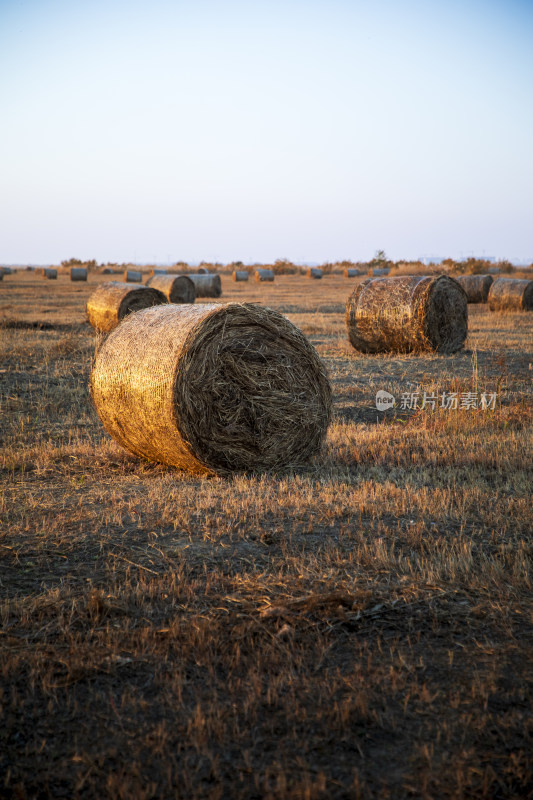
358	627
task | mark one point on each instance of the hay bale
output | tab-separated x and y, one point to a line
6	270
379	272
78	274
106	271
49	273
212	388
262	275
511	294
351	273
240	275
206	285
476	287
176	288
1	275
202	271
154	272
132	276
407	313
113	300
314	272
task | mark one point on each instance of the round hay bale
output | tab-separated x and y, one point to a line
132	276
206	285
262	275
407	313
511	294
314	272
212	388
378	272
476	287
176	288
351	273
202	271
6	270
240	275
106	271
1	275
157	272
112	301
78	274
49	273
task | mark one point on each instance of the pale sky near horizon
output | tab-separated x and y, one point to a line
314	131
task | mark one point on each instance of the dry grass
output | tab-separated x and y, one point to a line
358	628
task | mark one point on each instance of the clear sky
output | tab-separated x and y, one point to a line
252	130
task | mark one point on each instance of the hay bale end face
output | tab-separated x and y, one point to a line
176	288
314	272
511	294
132	276
262	275
206	285
407	313
78	274
240	275
476	287
112	301
212	388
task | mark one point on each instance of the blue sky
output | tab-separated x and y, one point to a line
251	131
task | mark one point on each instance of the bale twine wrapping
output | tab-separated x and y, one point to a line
212	388
132	276
407	313
240	275
314	272
476	287
176	288
112	301
511	294
264	275
206	285
351	273
78	274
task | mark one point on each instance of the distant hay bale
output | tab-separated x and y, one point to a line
6	270
48	272
157	272
202	271
212	388
1	275
314	272
476	287
132	276
262	275
106	271
206	284
351	273
511	294
112	301
78	274
240	275
176	288
407	313
379	272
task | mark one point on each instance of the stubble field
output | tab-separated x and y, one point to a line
358	628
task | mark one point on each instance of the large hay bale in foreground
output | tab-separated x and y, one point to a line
240	275
206	285
212	388
511	294
407	313
314	272
476	287
133	276
78	274
176	288
262	275
112	301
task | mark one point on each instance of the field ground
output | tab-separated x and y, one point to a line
359	628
